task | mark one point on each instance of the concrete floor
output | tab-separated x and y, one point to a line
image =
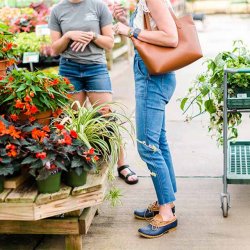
198	163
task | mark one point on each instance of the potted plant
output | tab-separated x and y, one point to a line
29	96
206	93
80	160
12	142
98	128
8	54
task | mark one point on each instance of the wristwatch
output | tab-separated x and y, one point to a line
95	36
136	32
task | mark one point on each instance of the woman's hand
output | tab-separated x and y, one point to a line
121	29
120	14
76	46
80	36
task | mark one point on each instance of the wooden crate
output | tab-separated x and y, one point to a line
25	204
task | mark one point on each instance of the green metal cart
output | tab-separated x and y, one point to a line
236	154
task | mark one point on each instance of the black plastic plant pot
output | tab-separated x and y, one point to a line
75	180
1	184
50	185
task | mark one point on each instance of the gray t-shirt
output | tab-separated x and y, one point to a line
87	15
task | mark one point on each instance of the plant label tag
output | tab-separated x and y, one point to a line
42	30
31	57
242	95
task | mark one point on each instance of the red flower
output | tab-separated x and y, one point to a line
55	82
14	117
41	156
53	166
32	94
91	151
19	104
1	78
33	109
27	99
73	134
66	80
88	158
59	126
11	78
67	140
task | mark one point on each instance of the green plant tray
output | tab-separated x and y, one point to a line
240	101
238	171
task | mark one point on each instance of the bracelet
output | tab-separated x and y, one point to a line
131	32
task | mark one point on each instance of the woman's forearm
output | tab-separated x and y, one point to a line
61	44
160	38
105	42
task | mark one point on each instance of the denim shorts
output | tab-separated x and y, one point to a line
86	77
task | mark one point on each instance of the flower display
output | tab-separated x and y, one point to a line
29	93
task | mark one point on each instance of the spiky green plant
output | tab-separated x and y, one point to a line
100	131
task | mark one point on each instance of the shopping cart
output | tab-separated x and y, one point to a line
236	153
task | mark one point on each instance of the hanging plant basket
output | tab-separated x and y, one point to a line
3	67
75	180
49	185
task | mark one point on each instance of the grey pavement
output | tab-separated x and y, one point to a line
198	164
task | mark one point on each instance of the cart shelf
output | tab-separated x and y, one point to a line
239	162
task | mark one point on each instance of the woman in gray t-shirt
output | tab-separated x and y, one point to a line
81	30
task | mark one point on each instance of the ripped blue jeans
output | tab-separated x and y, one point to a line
152	95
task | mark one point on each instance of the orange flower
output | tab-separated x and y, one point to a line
14	117
27	98
11	62
32	94
32	118
38	135
96	158
46	128
2	128
88	158
19	104
13	132
12	153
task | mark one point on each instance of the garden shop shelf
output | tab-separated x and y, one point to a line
236	155
238	163
25	204
241	100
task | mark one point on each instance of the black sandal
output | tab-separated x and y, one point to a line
127	176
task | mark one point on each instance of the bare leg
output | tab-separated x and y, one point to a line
81	97
98	99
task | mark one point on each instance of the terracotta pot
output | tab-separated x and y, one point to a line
3	67
43	117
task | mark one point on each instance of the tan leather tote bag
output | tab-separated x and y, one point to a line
159	60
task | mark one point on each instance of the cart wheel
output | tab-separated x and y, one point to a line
225	206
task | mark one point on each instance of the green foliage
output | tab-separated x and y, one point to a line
206	94
29	42
24	92
7	46
114	196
